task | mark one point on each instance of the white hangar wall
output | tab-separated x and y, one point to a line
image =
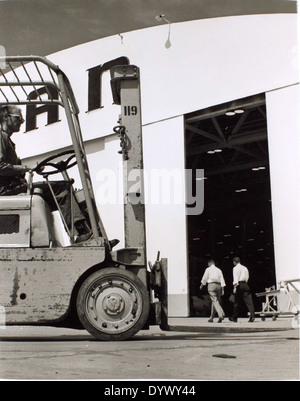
284	149
209	62
165	214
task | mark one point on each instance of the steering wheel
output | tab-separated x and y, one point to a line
57	167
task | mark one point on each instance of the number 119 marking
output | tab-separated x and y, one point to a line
130	110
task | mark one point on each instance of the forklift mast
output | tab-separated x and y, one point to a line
125	83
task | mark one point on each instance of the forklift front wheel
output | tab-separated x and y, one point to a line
113	304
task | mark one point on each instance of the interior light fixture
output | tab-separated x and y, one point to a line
236	226
227	235
220	243
230	113
211	152
239	111
241	190
250	239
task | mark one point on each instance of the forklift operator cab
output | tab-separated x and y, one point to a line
33	220
46	280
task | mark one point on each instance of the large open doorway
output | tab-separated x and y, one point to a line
230	143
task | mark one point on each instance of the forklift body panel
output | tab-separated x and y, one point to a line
36	284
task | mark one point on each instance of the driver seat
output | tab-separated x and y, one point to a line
45	192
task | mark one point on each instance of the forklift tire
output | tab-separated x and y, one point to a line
113	304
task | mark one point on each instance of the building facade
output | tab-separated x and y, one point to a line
200	70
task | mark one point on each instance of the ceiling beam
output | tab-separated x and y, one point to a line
248	152
253	101
262	148
247	137
237	167
240	121
218	128
262	112
201	132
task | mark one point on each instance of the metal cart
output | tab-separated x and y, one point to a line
281	301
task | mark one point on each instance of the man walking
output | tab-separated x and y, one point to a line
214	279
241	290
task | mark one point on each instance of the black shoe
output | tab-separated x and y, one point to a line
211	320
113	242
220	319
233	319
251	319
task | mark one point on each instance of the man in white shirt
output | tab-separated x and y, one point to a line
241	290
214	279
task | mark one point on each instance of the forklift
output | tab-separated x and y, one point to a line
112	294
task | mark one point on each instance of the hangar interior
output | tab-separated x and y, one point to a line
230	143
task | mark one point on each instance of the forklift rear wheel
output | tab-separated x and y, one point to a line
113	304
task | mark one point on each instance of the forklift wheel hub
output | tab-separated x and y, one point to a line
113	304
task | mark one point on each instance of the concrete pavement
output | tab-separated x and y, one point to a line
46	353
195	324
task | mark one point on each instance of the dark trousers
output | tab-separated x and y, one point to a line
243	295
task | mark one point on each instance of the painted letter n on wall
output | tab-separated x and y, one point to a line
95	81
